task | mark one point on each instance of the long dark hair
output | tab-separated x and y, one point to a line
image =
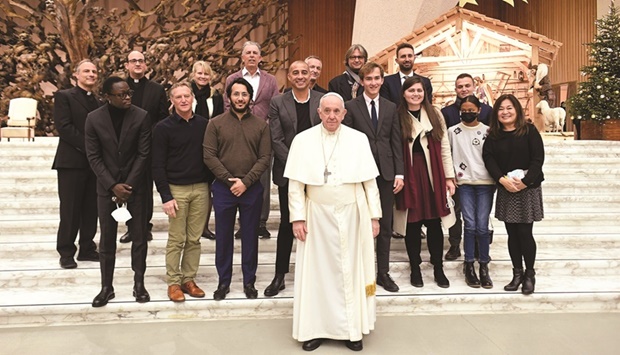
432	113
496	128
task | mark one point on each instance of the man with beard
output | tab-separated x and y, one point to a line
348	84
151	97
464	86
237	149
290	113
405	58
118	144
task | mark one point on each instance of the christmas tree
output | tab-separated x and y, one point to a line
598	98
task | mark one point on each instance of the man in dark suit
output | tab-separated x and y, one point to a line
464	86
377	117
76	181
289	114
118	143
392	86
349	84
265	88
151	97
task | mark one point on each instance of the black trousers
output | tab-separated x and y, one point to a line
77	191
285	233
386	194
107	244
434	239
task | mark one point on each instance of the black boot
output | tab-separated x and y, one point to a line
416	277
106	294
276	285
106	265
470	274
517	278
140	293
485	279
529	281
440	278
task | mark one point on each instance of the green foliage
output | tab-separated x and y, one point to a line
598	98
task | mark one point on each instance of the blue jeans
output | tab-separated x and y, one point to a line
476	203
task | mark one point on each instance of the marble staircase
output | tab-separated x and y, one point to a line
578	267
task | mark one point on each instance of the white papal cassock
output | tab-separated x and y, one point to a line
334	268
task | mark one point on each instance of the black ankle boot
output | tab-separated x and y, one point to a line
440	277
416	277
529	281
106	294
517	278
470	274
485	279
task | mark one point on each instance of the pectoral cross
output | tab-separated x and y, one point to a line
326	174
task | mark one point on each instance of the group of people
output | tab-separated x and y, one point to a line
369	157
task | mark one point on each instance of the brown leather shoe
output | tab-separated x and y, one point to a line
191	289
175	294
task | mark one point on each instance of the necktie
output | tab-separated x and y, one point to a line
405	77
373	114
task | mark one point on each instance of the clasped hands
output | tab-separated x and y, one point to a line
512	184
121	192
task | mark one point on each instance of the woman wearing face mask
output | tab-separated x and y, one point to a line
209	103
514	154
429	180
475	187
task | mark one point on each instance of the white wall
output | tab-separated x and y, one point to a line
602	7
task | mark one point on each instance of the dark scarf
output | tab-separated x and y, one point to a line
405	196
201	96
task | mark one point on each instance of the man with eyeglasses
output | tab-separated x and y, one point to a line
151	97
392	85
76	181
348	84
118	145
464	86
265	87
237	149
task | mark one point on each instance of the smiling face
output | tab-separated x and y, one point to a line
332	111
86	76
414	96
507	115
405	59
182	99
464	87
120	95
356	60
136	65
239	98
299	75
372	83
315	66
201	77
251	57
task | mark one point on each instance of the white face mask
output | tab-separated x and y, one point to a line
121	214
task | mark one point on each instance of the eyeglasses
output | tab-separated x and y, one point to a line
137	61
123	95
358	57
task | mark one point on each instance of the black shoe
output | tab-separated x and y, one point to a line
91	256
529	282
106	294
276	285
238	234
263	233
207	234
453	253
250	291
67	262
125	238
440	278
386	281
416	277
354	345
397	235
312	344
485	279
471	279
140	293
221	292
149	236
517	278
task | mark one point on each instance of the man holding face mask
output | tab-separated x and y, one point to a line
117	148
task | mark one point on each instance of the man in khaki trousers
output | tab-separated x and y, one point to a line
181	179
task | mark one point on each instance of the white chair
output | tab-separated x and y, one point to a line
22	119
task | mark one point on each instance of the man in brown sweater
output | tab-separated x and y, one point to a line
237	149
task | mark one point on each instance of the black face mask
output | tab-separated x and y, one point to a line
469	117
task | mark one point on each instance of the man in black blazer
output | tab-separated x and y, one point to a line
76	181
149	96
377	117
118	144
392	86
289	113
349	84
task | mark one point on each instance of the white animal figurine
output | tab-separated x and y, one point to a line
554	117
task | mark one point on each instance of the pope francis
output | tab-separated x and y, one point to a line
335	210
